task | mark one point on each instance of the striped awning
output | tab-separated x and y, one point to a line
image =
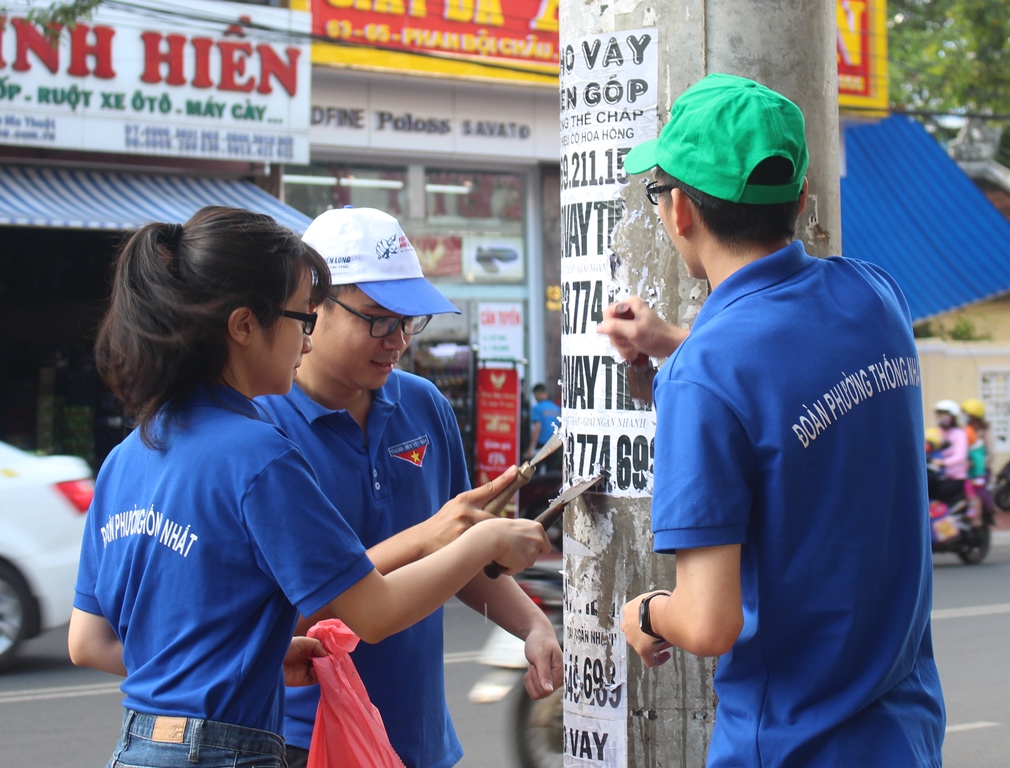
87	199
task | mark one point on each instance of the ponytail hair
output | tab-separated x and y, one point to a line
173	291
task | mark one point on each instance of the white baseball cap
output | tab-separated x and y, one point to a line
368	248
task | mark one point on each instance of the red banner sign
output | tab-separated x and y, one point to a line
497	422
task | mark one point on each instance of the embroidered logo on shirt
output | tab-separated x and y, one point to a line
412	450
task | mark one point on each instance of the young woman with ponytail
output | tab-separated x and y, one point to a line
208	534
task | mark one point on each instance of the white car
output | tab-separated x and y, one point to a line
43	502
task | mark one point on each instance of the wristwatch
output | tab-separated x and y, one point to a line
644	619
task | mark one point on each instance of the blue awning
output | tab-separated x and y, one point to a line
80	199
907	206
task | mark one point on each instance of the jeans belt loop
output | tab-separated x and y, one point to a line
127	726
195	737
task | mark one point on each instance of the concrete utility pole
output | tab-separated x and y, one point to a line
622	65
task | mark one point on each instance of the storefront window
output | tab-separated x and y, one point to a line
467	226
478	215
492	198
315	188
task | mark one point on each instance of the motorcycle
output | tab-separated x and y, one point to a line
1001	488
951	527
536	726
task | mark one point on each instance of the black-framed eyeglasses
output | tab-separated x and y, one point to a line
654	189
381	327
308	319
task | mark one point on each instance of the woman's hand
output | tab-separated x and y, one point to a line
518	543
298	669
464	511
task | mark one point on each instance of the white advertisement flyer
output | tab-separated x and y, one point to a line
596	673
608	105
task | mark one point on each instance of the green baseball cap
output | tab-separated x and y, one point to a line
720	129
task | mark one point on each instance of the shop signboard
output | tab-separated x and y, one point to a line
862	56
500	332
500	335
494	260
487	39
497	422
428	117
518	40
194	79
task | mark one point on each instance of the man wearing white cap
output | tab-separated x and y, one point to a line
387	449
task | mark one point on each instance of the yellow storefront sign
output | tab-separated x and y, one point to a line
517	40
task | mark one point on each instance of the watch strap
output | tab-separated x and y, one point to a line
645	617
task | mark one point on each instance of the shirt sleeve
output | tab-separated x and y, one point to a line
87	569
299	537
704	470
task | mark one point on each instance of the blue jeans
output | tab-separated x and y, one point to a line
149	741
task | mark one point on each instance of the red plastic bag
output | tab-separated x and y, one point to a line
348	732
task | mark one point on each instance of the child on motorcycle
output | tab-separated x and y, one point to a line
934	445
976	484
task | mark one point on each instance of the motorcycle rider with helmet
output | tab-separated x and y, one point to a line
953	459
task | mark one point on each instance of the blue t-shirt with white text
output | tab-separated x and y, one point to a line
201	556
790	422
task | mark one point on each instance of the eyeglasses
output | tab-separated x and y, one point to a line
654	189
381	327
308	319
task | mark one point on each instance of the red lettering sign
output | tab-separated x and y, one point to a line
497	444
241	66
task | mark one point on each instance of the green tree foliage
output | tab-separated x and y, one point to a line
64	14
963	328
56	15
950	56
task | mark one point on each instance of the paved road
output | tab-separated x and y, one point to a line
971	628
52	713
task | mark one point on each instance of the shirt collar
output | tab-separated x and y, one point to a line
385	398
222	396
758	275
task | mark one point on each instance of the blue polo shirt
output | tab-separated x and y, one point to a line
790	422
397	475
547	413
198	555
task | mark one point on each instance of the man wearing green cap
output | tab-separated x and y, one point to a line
789	476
